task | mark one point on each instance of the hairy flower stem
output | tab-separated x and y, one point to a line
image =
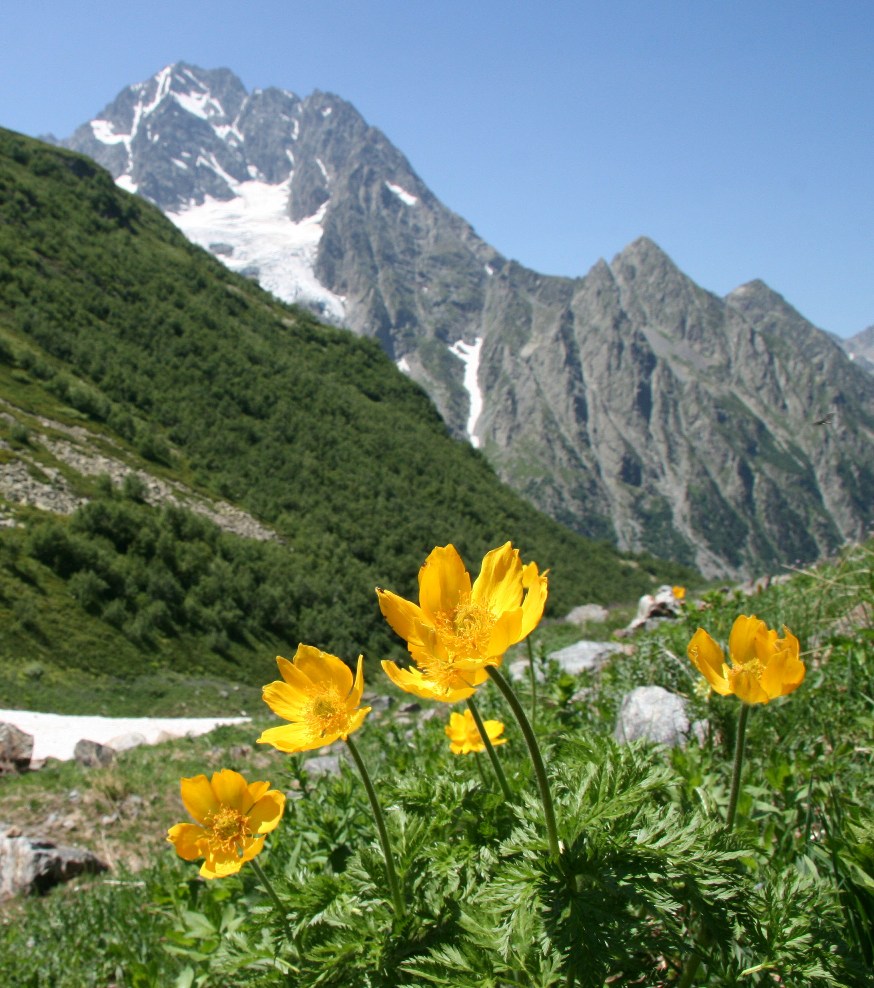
268	888
381	828
738	765
695	959
532	672
490	748
536	758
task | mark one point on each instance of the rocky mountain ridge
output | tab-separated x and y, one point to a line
860	348
630	403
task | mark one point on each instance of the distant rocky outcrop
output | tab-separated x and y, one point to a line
860	349
40	485
630	404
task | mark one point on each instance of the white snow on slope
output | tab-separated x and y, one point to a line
402	194
469	354
266	243
55	735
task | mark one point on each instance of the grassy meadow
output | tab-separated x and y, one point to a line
648	877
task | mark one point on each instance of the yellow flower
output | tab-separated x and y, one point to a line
232	818
464	737
679	593
458	628
318	696
762	668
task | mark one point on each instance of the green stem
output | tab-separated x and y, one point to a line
536	758
738	765
381	828
479	766
533	676
268	888
490	748
695	958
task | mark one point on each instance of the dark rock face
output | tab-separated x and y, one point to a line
630	404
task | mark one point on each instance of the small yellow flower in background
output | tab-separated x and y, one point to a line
318	696
762	668
459	628
679	593
232	818
464	737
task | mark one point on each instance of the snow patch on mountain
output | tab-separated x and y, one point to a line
469	354
402	194
266	243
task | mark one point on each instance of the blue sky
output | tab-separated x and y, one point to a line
737	135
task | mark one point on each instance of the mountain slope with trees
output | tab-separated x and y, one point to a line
111	321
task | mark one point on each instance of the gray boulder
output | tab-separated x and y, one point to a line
573	659
34	865
16	749
92	754
587	612
655	714
124	742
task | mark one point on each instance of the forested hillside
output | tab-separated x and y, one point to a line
111	322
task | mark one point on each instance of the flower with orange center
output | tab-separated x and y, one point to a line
464	736
762	668
232	818
319	697
460	628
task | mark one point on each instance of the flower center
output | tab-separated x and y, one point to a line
465	631
328	713
442	673
229	828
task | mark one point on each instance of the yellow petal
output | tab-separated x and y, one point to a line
267	812
285	701
221	863
358	685
742	640
707	657
456	729
290	738
506	631
231	789
499	584
257	790
403	615
296	679
412	681
443	582
536	587
186	837
320	667
494	729
198	797
355	721
784	671
746	686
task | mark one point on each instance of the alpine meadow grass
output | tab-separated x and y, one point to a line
675	866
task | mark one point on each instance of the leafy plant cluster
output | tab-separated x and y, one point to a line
648	875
